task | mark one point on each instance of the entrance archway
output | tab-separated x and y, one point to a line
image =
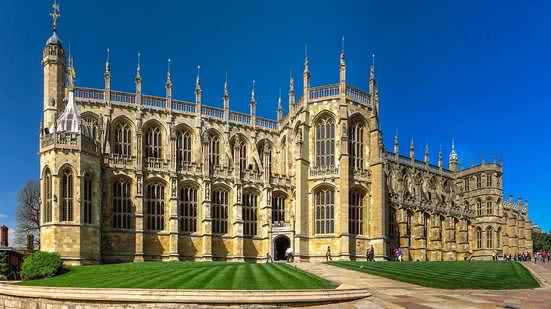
281	243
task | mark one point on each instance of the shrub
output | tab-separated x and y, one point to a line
41	265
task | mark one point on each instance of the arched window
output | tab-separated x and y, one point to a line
489	208
478	182
249	213
355	213
240	152
466	184
122	140
214	151
87	199
425	225
67	196
121	205
392	225
47	196
489	181
219	212
489	237
90	125
264	147
183	148
153	143
155	207
478	238
478	208
325	142
278	208
325	211
355	137
187	201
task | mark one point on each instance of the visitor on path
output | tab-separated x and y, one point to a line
400	254
289	255
544	256
370	253
328	254
396	254
269	258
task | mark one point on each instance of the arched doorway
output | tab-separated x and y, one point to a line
281	243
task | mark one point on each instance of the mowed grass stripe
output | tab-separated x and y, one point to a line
450	275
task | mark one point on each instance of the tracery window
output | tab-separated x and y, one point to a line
278	208
249	212
183	148
478	208
466	184
153	143
187	202
91	126
325	211
489	208
219	212
325	142
48	196
478	238
392	226
489	181
67	196
87	199
242	146
121	205
155	207
122	140
355	213
355	135
263	147
478	182
489	237
214	151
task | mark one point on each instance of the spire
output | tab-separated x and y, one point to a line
306	74
396	149
342	71
198	88
372	80
291	93
427	153
279	108
454	159
440	157
226	99
55	15
411	150
226	93
252	93
107	63
342	53
71	74
252	106
168	81
138	76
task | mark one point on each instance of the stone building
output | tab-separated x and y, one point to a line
133	177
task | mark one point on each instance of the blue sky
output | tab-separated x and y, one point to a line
476	71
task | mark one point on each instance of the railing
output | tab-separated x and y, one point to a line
416	163
240	118
324	171
181	106
253	176
89	94
72	141
155	163
123	97
281	180
357	95
188	168
360	173
266	123
221	172
324	92
212	112
154	102
120	160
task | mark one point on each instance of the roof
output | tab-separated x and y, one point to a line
54	40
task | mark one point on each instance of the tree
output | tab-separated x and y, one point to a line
27	214
542	241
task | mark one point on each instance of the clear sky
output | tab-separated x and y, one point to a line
476	71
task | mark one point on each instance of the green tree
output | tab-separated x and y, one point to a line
542	241
4	267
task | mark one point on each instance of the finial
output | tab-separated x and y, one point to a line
342	43
71	74
252	91
279	106
198	70
453	144
411	144
198	80
139	61
55	14
107	63
226	78
306	51
168	72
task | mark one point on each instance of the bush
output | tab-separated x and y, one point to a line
41	265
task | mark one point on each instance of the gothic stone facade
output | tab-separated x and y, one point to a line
154	178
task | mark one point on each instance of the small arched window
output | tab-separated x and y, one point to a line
489	180
67	196
489	237
478	238
355	213
249	213
122	140
214	151
153	143
183	148
219	211
122	213
325	142
489	207
325	211
355	137
278	208
47	183
478	208
87	199
187	201
155	207
478	182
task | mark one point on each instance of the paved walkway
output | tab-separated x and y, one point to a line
389	293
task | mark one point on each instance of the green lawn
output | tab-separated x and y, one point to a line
186	275
451	275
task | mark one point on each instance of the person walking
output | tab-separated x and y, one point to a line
400	254
290	255
328	254
395	254
269	258
370	253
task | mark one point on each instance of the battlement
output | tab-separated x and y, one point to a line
519	206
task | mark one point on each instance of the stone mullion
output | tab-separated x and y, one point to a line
139	220
173	220
342	208
237	202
